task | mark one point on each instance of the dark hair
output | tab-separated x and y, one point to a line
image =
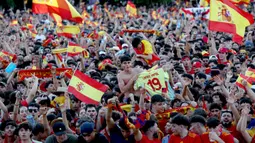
116	116
215	106
198	119
26	126
180	120
136	41
201	75
124	59
148	124
174	101
245	100
48	83
33	104
38	128
157	98
205	98
187	76
90	106
123	125
213	122
227	111
200	112
6	123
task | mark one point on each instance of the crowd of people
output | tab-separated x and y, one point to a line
196	95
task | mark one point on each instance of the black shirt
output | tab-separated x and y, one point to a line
99	138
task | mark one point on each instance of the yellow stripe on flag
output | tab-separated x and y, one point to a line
59	51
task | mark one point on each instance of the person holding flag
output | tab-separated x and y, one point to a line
144	50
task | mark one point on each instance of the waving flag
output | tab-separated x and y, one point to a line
68	31
242	77
240	2
57	18
85	88
74	49
204	3
195	12
61	7
250	73
14	22
226	17
131	9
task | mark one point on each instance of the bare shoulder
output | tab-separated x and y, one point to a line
137	70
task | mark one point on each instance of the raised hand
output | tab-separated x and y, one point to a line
218	80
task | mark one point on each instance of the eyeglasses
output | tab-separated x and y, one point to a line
32	110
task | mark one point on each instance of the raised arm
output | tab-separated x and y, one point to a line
109	121
124	88
33	90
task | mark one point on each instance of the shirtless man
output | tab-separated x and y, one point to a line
127	76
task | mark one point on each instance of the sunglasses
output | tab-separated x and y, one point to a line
32	110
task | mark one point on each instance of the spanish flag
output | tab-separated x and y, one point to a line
33	33
246	78
226	17
3	53
30	26
14	22
85	88
74	49
101	65
85	14
59	51
240	2
131	9
85	54
154	15
57	18
204	3
68	31
250	73
61	7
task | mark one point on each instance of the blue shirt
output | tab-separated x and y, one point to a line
117	137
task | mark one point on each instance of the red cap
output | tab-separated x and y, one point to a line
197	65
223	50
185	57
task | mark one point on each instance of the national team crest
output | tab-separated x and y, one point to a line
224	14
80	86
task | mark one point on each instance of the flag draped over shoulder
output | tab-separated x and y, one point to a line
60	7
85	88
131	9
226	17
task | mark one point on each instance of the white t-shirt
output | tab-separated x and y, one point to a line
40	37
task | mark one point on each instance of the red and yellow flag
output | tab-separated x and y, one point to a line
14	22
74	49
4	54
131	9
57	18
61	7
250	73
242	77
68	31
85	88
226	17
204	3
240	2
154	15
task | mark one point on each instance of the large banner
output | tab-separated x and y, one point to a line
196	13
22	74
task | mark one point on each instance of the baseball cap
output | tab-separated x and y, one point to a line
223	50
102	53
197	64
115	48
59	128
87	128
124	45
